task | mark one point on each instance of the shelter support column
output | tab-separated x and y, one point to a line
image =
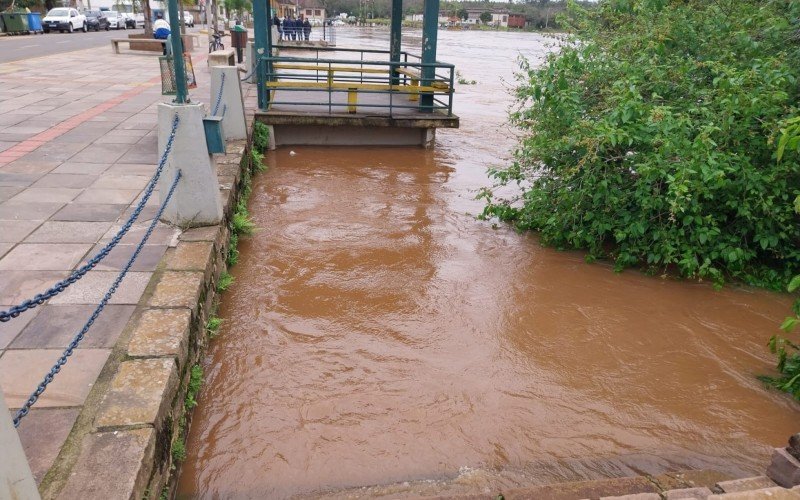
396	37
430	27
263	48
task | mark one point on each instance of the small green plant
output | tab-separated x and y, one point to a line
213	325
225	281
260	136
233	251
195	382
241	223
257	160
179	449
164	493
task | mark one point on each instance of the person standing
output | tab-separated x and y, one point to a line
277	22
307	29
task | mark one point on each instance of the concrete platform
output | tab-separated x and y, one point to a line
376	122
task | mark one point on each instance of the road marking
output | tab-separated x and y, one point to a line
29	46
64	41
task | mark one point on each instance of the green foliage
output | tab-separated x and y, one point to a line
179	449
788	352
650	139
213	325
225	281
260	136
195	382
241	223
233	250
486	17
257	160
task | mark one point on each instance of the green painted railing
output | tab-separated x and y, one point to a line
358	83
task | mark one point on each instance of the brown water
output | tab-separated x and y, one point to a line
379	336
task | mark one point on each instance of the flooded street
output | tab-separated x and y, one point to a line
378	335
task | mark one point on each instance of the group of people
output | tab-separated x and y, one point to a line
291	28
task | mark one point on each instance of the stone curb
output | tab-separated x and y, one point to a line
127	450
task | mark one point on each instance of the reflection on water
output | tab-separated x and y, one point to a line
378	334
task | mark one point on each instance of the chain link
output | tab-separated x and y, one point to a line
219	96
106	298
62	285
255	68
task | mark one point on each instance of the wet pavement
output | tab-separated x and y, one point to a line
378	334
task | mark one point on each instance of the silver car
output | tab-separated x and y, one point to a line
116	20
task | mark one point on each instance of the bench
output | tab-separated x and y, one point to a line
189	42
147	41
224	57
353	88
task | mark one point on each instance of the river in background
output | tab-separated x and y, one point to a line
379	340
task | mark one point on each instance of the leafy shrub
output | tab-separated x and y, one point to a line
650	139
260	136
225	282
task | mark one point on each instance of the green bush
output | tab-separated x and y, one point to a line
649	139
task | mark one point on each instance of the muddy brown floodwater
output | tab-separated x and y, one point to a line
379	340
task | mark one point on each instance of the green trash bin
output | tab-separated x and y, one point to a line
15	22
239	41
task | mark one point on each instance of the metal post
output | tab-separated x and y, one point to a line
16	480
430	27
263	48
182	92
396	37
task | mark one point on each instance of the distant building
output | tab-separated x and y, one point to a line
516	21
285	8
442	19
499	17
313	11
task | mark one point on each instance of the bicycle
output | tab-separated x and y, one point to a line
216	42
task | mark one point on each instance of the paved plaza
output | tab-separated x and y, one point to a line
78	143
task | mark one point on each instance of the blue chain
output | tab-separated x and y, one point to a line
255	68
219	96
107	297
62	285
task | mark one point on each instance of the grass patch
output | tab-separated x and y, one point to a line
195	382
179	450
260	136
213	325
225	281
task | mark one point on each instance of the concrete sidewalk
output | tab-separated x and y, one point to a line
78	143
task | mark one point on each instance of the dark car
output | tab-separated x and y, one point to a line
96	20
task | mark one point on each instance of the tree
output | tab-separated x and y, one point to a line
649	140
462	14
486	17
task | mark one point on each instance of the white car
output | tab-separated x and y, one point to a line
116	20
139	19
188	18
64	19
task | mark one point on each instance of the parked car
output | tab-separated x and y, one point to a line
116	20
64	19
188	18
96	20
139	18
130	20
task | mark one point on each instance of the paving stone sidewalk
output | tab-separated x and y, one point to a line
78	140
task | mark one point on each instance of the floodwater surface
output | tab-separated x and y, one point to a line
381	341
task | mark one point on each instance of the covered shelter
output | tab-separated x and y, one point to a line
356	95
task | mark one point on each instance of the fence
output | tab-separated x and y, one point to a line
334	84
76	275
325	34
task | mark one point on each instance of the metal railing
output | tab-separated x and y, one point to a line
334	84
292	38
